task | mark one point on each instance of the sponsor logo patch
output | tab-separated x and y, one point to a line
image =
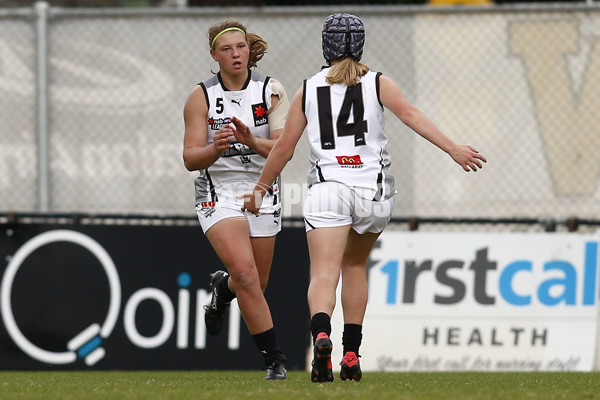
350	161
217	123
259	112
207	208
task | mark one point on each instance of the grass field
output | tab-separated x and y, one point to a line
223	385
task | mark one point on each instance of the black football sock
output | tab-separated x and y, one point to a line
352	338
224	292
267	345
320	322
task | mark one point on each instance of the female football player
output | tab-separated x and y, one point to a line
351	190
229	160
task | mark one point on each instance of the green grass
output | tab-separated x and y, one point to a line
224	385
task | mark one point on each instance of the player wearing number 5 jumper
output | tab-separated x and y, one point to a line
351	194
229	161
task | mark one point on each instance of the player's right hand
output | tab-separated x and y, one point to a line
223	138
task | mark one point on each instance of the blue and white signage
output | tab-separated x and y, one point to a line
493	302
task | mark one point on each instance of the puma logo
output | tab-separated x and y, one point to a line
238	102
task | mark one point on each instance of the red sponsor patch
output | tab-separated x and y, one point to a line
207	204
259	112
349	160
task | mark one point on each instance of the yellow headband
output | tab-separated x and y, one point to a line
233	28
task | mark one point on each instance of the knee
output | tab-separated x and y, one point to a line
327	278
353	264
245	278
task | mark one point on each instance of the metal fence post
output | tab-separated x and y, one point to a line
41	13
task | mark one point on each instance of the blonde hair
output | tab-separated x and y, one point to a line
257	46
347	71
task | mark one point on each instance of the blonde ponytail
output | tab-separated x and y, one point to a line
346	71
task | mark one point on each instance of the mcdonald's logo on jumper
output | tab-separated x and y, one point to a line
350	161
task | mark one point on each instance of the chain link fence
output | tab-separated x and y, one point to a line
91	104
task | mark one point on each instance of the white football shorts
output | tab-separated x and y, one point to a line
331	204
263	225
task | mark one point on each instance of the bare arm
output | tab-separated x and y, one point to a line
392	98
196	154
261	146
280	154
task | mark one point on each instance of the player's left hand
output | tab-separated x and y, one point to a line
242	133
468	157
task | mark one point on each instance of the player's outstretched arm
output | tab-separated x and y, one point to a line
392	98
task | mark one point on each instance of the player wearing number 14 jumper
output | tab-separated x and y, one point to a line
351	191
